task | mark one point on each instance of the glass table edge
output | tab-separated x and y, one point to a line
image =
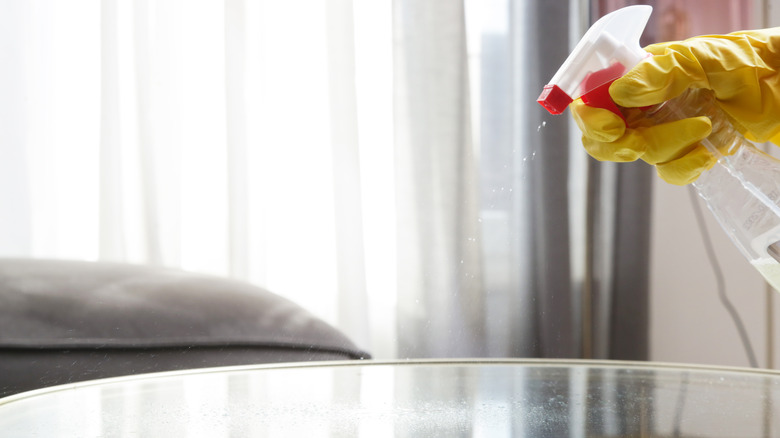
454	362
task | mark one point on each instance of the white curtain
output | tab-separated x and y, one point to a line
371	160
244	138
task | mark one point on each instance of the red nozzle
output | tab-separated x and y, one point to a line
553	99
595	87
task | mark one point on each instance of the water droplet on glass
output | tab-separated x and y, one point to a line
541	126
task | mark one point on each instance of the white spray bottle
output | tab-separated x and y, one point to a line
742	190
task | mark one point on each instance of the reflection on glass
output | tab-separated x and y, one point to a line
454	399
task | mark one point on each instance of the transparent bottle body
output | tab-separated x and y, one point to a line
742	190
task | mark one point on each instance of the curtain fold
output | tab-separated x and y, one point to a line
552	282
15	78
347	186
526	177
237	138
440	291
628	335
145	114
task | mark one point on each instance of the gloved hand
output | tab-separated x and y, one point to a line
740	68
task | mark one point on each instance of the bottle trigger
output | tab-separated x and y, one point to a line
599	98
596	86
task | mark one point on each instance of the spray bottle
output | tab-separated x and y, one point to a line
742	189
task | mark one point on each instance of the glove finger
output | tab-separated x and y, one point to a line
659	78
686	169
653	144
670	141
597	124
629	148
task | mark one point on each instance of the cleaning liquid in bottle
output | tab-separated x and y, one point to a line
742	189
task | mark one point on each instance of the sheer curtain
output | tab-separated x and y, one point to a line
382	163
216	136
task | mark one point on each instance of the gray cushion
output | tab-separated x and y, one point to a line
67	321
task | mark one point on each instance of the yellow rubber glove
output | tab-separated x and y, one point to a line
672	147
740	68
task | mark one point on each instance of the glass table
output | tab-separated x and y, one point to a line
410	398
